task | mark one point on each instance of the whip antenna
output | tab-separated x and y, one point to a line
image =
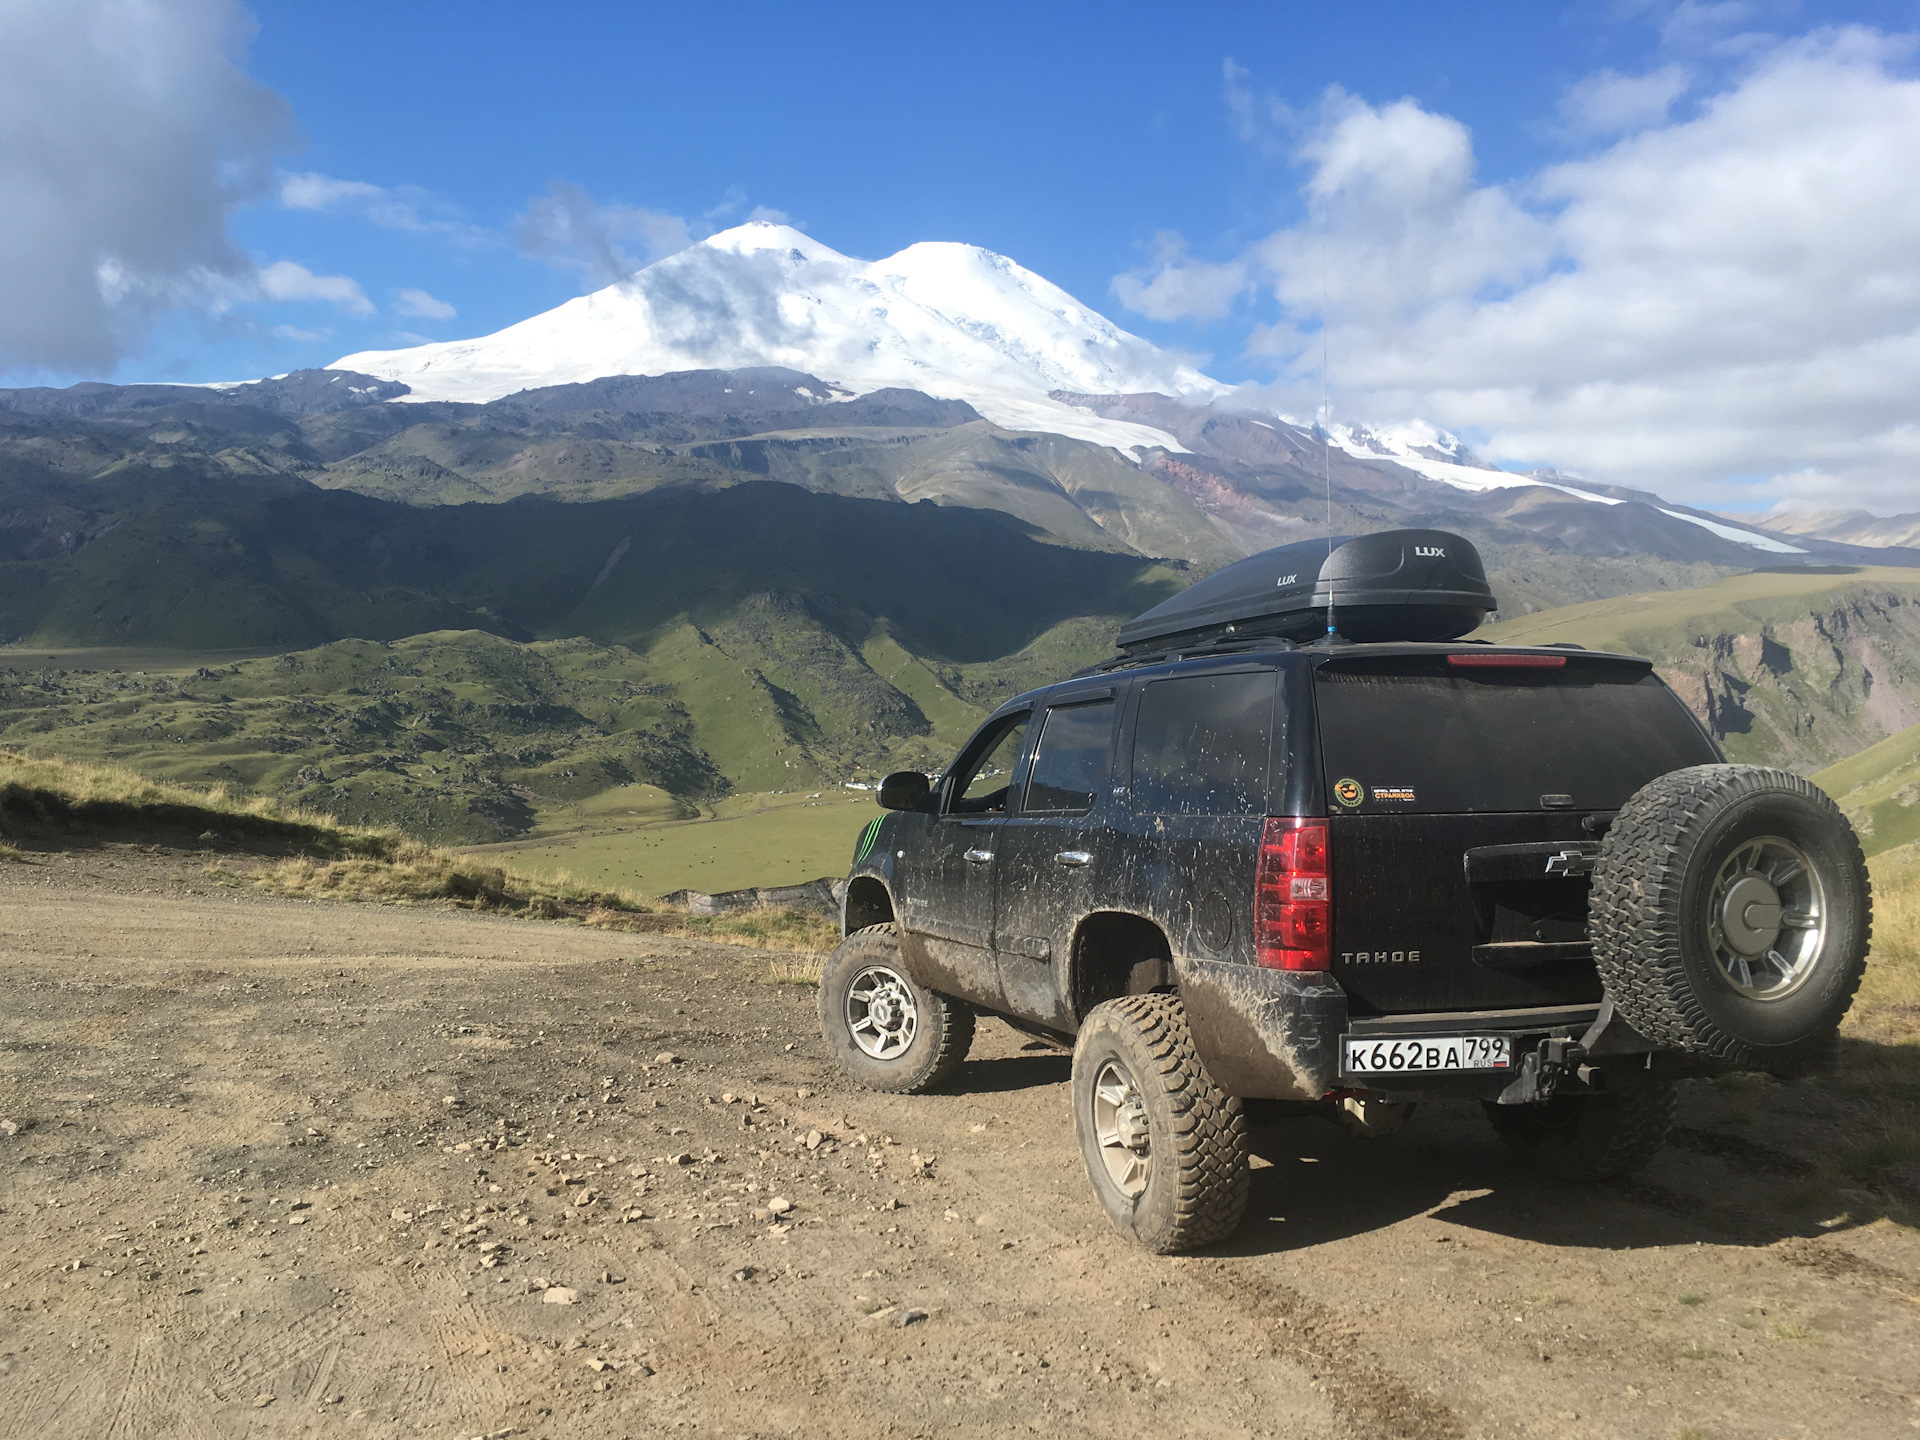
1326	434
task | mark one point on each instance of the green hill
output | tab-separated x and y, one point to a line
1880	790
1792	668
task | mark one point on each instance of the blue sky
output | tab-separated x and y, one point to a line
1063	136
1469	166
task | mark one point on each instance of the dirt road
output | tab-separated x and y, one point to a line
276	1168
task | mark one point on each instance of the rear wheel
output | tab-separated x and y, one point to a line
1591	1136
1165	1148
1731	913
888	1031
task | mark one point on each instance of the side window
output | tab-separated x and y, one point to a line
1070	764
981	788
1201	745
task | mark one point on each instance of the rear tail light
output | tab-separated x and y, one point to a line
1292	899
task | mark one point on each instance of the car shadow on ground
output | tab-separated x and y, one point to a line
1036	1064
1314	1183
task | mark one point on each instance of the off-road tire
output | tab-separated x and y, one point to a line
1651	914
1196	1186
943	1025
1596	1136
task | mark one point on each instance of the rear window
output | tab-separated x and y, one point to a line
1496	739
1201	745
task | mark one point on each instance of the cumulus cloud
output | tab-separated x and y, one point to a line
1725	306
605	244
284	280
420	303
1612	104
1176	286
128	133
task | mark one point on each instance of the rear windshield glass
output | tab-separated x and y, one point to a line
1440	742
1200	745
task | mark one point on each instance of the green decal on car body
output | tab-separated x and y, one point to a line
867	837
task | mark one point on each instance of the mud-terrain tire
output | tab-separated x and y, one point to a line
1730	914
1165	1147
1593	1136
888	1031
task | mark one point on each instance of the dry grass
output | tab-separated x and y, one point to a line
421	876
52	797
43	793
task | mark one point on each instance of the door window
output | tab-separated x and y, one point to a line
1201	745
1071	762
980	788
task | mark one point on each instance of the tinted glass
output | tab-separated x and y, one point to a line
1499	739
1201	745
1070	764
982	790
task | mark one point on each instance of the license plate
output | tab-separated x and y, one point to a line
1425	1054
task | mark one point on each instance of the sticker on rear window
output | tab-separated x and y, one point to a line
1401	793
1348	792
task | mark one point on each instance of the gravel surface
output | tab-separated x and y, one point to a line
275	1167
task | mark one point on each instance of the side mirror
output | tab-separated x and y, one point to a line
904	790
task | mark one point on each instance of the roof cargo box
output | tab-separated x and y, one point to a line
1393	585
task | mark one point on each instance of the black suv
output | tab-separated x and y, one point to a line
1299	844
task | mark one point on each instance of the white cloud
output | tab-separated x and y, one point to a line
1175	285
305	337
128	132
310	191
420	303
396	207
570	230
284	280
1695	307
1613	104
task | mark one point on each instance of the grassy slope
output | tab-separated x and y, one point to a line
1879	788
745	840
1794	668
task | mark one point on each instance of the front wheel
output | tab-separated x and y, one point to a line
888	1031
1165	1148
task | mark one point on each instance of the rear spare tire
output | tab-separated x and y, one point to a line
887	1030
1730	914
1165	1147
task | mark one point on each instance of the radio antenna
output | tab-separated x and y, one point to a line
1326	433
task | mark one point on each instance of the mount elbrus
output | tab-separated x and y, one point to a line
1230	867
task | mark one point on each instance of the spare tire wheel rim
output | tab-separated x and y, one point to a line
1120	1129
881	1015
1766	920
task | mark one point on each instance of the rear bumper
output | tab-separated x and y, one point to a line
1265	1034
1275	1034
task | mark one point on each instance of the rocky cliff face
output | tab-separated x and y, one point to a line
1802	691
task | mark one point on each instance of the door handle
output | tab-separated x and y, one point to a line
1073	857
979	857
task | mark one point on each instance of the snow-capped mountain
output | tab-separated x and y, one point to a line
950	320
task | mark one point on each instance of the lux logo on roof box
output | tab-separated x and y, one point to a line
1433	552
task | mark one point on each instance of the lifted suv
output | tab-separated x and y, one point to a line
1346	875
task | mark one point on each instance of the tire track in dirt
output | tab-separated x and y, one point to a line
1370	1398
